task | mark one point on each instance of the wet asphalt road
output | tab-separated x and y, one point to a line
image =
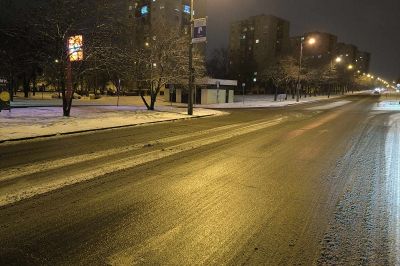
295	186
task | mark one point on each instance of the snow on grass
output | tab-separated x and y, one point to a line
43	121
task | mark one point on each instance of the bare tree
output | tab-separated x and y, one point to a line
164	59
55	21
281	74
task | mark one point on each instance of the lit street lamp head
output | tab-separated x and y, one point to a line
338	59
312	41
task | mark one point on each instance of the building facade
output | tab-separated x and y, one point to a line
348	53
363	60
147	14
254	44
152	18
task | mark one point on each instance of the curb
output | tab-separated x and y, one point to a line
103	129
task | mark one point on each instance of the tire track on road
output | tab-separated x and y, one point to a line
29	169
26	191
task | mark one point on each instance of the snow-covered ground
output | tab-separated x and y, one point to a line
44	121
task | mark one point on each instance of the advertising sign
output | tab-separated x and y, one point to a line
75	48
200	30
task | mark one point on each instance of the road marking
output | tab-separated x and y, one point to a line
329	106
128	162
29	169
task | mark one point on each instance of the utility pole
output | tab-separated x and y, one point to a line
190	98
298	77
310	41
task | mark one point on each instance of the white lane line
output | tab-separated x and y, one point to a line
29	191
29	169
329	106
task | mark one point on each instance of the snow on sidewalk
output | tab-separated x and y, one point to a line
265	101
44	121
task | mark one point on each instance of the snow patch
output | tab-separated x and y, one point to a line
43	121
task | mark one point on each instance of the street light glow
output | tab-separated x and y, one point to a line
338	59
312	41
350	67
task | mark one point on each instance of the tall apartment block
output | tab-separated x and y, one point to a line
363	60
348	53
255	43
146	14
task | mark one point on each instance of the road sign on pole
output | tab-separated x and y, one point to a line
199	30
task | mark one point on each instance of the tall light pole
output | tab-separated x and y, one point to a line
337	61
190	98
311	41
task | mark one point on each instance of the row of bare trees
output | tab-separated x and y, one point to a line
282	76
34	45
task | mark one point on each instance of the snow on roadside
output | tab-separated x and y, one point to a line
392	146
43	121
387	106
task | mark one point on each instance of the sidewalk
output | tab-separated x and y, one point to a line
267	101
28	123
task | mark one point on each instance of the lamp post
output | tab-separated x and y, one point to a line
311	41
190	98
337	60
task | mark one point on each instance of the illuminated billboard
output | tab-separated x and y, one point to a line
75	48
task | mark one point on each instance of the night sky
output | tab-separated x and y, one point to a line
372	25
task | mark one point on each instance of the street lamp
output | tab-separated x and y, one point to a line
311	41
337	60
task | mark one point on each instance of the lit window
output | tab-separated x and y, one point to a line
257	41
